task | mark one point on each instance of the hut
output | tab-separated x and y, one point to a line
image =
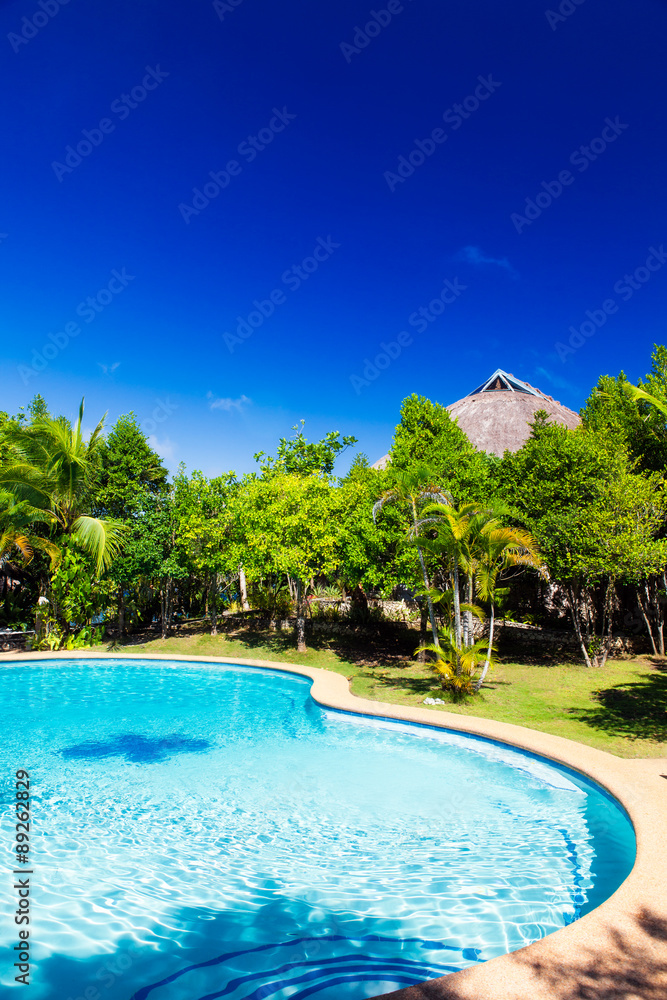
496	415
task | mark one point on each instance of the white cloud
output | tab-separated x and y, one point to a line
226	403
473	255
165	449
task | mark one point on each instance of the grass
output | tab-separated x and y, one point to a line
621	708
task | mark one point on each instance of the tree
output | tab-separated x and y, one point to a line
17	535
589	515
130	475
52	468
297	456
453	528
499	548
633	415
129	470
412	489
428	435
287	523
457	663
204	515
369	552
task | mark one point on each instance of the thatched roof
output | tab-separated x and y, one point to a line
495	416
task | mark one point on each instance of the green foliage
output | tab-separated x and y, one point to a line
368	551
129	471
590	515
287	524
458	665
51	467
275	600
297	456
76	595
633	416
427	435
95	522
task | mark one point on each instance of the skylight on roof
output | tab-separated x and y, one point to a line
501	381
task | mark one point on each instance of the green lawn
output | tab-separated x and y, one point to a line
621	708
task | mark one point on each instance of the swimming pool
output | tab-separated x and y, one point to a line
205	830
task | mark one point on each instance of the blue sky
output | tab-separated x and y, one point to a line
498	167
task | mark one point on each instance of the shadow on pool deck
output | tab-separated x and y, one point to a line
632	966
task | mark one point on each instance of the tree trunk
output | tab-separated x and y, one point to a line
423	629
470	588
121	613
429	602
661	620
457	604
243	589
214	605
359	600
607	625
436	640
661	617
163	612
573	601
300	619
644	615
652	611
488	655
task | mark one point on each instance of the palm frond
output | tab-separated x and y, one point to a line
103	540
638	395
385	498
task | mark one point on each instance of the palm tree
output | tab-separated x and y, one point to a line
454	529
16	520
411	489
497	549
52	469
457	662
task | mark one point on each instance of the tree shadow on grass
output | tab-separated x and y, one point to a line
415	685
382	647
636	710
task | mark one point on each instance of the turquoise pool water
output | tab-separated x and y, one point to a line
205	831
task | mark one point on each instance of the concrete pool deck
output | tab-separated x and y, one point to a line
617	951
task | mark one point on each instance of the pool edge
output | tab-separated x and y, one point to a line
618	949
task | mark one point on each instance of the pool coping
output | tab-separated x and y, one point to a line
619	949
